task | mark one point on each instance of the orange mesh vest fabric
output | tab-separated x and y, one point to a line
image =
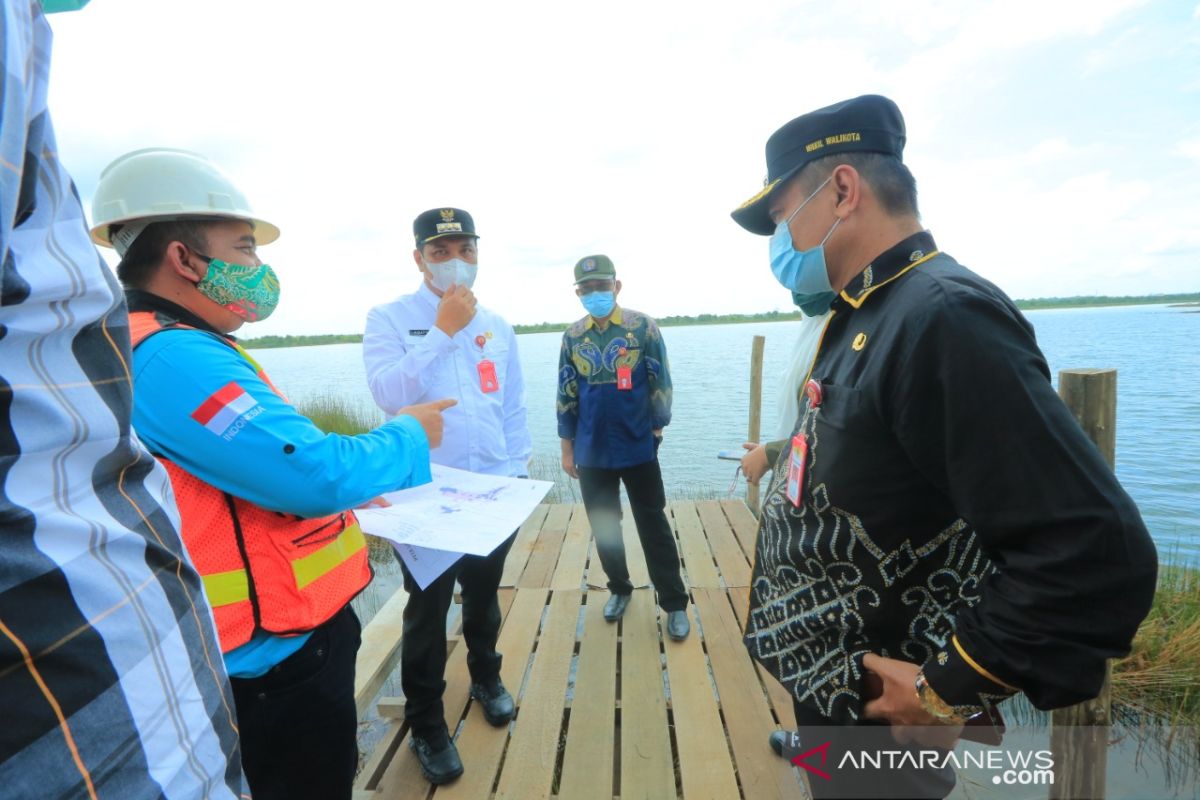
262	570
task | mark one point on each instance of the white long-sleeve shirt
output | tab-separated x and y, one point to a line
410	360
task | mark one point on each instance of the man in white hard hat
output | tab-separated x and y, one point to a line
262	492
437	342
109	681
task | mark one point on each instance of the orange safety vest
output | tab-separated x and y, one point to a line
263	570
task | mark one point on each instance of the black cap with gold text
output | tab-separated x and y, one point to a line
870	123
438	222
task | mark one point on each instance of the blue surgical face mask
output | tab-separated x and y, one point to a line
803	271
599	304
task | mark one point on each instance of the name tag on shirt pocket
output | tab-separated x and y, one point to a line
494	354
797	461
488	382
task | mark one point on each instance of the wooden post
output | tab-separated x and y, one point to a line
755	429
1079	737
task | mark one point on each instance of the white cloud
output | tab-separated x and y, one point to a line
631	129
1189	148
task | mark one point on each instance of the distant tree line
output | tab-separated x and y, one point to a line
263	342
673	321
1102	300
727	319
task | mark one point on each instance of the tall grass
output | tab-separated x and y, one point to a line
333	414
547	467
1160	678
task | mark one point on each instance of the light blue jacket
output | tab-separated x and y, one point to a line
260	448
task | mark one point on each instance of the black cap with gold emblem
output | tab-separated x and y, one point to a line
438	222
870	123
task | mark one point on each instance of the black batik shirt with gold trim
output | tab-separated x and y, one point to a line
954	514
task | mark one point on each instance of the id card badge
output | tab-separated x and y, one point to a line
624	378
487	377
795	479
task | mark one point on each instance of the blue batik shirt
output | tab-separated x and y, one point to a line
612	428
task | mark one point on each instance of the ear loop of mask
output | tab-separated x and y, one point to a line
808	200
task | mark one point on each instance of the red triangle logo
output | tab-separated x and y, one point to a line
801	760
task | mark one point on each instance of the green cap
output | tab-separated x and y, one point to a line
594	268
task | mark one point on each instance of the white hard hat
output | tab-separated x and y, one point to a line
162	183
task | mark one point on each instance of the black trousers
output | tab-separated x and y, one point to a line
866	735
602	498
423	648
298	724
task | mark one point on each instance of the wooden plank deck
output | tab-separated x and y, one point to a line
607	710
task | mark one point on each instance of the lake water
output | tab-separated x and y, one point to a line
1154	349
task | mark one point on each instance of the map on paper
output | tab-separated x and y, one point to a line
458	511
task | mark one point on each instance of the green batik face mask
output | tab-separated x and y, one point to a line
250	292
58	6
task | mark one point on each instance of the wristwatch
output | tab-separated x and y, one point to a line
939	709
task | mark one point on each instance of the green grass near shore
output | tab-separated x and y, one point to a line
1160	678
333	415
1188	298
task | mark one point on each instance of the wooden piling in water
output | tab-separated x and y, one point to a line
1081	756
755	428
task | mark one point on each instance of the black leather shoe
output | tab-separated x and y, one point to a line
786	744
614	609
438	756
494	699
678	626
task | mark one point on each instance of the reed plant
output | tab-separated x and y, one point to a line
546	467
1160	679
334	414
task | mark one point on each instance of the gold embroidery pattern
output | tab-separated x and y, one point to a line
820	579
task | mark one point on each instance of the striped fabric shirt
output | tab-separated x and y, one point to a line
111	679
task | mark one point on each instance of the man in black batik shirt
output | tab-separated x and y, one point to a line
939	523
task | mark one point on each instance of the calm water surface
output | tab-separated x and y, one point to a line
1154	349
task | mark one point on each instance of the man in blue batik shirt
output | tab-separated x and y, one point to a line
614	399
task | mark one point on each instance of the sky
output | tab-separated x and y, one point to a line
1056	144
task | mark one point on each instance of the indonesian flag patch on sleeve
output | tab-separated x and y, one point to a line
227	411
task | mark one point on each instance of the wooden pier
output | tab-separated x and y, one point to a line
604	710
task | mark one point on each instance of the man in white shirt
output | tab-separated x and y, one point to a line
437	342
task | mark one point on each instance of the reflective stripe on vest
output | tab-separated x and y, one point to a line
311	567
262	570
224	588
